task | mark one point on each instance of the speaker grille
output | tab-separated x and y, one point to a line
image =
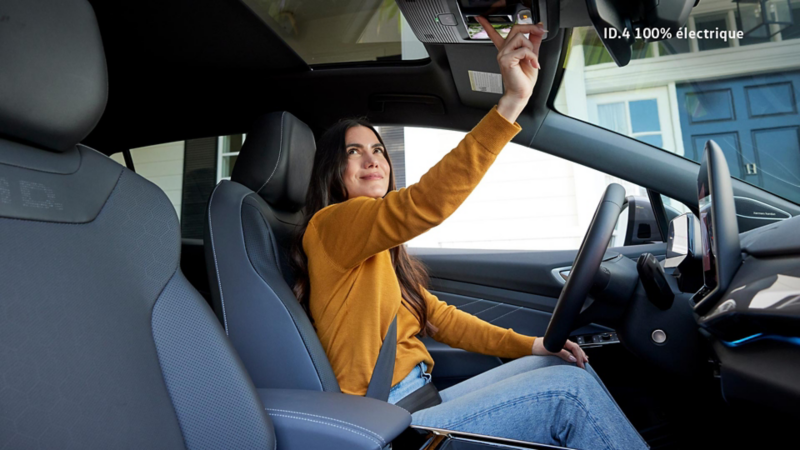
420	14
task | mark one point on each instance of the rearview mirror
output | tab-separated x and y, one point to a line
619	24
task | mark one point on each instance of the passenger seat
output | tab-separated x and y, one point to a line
103	342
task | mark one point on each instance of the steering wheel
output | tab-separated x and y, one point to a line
583	271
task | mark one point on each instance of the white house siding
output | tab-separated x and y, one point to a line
163	165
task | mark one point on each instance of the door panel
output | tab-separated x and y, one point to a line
506	288
514	271
528	321
454	365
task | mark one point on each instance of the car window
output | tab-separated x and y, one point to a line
163	165
676	94
324	32
528	200
228	148
187	172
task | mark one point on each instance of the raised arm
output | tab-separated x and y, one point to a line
358	228
361	227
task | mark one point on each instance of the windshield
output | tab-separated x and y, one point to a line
677	94
324	32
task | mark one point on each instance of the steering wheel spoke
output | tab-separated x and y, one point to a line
582	275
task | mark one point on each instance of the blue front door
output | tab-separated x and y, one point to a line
754	120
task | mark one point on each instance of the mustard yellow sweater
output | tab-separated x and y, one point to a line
355	293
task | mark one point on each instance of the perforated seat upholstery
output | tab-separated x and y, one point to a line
103	342
250	223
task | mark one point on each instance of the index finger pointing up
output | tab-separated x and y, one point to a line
491	32
536	32
536	39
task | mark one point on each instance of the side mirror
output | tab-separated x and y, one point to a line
642	227
683	240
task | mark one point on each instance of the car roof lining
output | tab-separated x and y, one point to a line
200	69
205	69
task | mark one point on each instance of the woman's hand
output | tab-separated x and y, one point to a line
518	58
572	352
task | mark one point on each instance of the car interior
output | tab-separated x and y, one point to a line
121	326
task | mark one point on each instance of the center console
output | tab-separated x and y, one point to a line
304	419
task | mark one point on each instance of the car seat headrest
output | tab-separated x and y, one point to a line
53	82
276	160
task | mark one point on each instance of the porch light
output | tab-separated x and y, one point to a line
758	16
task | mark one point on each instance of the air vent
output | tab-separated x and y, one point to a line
430	36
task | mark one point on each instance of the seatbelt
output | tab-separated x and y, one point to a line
381	382
126	154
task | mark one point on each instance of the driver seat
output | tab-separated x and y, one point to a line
249	225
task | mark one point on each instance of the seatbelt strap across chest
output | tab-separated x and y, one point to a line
381	382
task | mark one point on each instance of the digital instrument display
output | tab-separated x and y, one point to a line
705	200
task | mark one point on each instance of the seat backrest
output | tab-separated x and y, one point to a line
103	342
250	223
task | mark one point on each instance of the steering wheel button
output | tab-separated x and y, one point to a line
659	336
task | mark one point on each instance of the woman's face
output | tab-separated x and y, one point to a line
367	172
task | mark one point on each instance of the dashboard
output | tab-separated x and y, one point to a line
749	307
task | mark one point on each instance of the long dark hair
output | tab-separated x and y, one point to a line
327	188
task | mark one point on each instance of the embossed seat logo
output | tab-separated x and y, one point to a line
32	194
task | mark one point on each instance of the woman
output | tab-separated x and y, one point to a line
354	276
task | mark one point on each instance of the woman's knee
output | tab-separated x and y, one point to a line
533	362
568	377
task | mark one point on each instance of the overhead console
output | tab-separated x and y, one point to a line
453	21
618	23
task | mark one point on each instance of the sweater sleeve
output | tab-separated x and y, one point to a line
459	329
359	228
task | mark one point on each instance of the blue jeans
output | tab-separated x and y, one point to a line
413	381
541	399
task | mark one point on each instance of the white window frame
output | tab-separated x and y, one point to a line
728	15
221	155
659	94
